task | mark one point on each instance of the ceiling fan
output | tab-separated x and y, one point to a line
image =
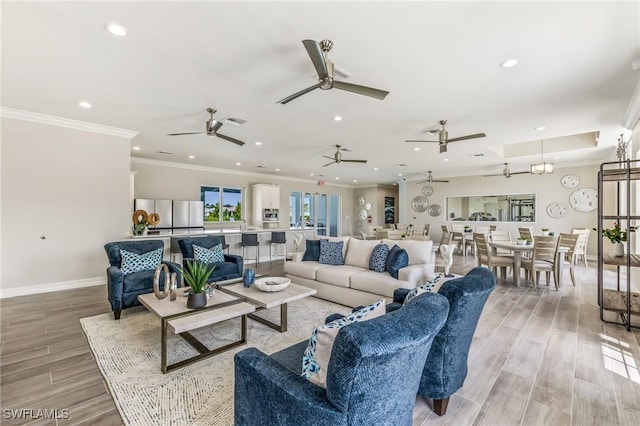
318	52
337	157
506	172
443	138
430	179
212	127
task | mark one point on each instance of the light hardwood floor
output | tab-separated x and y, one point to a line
538	357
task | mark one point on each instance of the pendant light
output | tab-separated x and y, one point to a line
541	167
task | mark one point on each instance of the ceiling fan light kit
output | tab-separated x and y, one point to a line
443	138
541	168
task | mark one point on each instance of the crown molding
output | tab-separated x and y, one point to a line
35	117
164	163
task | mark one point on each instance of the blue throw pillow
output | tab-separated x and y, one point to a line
212	255
378	258
427	287
313	251
396	260
132	262
331	252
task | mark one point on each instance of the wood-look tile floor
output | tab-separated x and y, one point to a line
538	357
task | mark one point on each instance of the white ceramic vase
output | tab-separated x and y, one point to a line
618	249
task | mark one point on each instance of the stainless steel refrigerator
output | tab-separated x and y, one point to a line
162	207
188	214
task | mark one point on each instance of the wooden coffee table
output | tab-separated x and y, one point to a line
265	300
176	318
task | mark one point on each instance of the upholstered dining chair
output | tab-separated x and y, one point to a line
486	257
581	247
571	242
543	258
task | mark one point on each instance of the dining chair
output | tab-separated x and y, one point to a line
581	247
483	229
418	230
394	234
486	257
570	241
458	237
278	238
382	234
447	237
401	226
493	227
426	229
251	240
502	237
543	258
526	232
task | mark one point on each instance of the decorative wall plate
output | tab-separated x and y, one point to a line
360	200
427	190
359	223
557	210
434	210
368	206
584	199
362	214
570	181
420	204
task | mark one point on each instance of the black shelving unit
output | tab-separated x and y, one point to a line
621	300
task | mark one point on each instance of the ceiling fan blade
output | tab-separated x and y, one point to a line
442	181
415	140
317	57
330	158
354	161
230	139
497	174
298	94
463	138
422	181
328	164
519	173
361	90
443	148
189	133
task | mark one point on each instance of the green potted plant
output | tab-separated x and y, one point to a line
140	228
196	275
545	231
617	236
521	241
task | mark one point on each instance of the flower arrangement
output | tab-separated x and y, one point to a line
615	234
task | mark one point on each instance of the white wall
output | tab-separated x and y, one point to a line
546	187
71	186
173	181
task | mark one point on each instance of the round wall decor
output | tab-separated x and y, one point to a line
570	181
557	210
434	210
584	199
368	206
427	191
359	223
419	204
362	214
360	200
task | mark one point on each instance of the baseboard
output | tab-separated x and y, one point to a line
49	287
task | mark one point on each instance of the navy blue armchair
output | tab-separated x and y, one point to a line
123	289
230	268
373	375
446	367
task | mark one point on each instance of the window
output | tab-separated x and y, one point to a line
229	198
309	210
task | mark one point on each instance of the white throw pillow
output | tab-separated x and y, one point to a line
359	252
315	360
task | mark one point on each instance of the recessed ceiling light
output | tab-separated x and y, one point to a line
116	29
509	63
446	159
395	183
375	168
399	174
277	170
540	128
337	118
238	164
191	157
310	174
337	178
417	148
355	181
136	148
258	143
84	104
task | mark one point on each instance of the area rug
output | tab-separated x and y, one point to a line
128	355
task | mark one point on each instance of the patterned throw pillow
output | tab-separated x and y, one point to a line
132	262
331	252
312	253
378	258
427	287
212	255
396	260
315	360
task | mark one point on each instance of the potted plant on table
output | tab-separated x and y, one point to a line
545	231
617	236
196	275
521	241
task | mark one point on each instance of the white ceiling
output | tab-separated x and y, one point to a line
437	60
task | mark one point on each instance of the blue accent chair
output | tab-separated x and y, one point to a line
373	374
230	268
123	290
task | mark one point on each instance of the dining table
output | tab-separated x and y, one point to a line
519	249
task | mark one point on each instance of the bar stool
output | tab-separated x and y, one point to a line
225	246
278	238
251	240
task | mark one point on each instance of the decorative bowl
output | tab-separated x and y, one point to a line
272	283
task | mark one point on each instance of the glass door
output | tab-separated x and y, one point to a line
321	214
334	215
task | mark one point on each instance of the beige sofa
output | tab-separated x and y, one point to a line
353	283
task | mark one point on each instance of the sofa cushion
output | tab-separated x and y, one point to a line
426	287
206	255
358	252
312	253
303	269
133	262
418	251
396	259
337	275
378	258
331	252
380	283
315	360
345	242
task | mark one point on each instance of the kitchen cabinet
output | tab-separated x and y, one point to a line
264	196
